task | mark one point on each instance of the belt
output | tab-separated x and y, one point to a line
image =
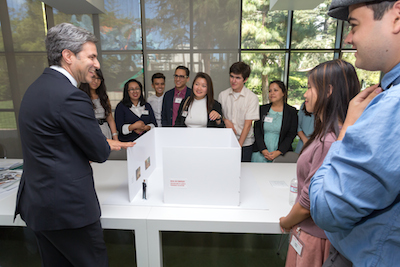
101	121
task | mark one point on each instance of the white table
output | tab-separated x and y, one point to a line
149	219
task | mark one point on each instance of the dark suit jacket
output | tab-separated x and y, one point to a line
180	120
59	136
168	102
123	115
288	129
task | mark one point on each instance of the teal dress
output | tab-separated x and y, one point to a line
272	129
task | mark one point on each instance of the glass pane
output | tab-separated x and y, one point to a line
314	28
119	68
83	21
7	121
265	67
216	24
300	64
262	28
367	78
346	30
167	24
29	67
166	64
120	26
217	66
27	25
5	91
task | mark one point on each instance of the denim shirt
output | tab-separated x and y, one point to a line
355	194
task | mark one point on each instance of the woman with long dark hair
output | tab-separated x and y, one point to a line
133	115
331	86
277	127
200	109
97	91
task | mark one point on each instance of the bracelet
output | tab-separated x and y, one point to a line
114	134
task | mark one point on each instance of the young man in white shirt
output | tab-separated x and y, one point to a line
158	84
240	107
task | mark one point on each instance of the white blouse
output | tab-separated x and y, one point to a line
197	116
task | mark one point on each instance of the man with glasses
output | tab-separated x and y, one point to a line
355	195
173	98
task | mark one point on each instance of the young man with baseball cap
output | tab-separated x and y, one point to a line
355	195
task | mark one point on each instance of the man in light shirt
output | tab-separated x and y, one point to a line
240	108
158	84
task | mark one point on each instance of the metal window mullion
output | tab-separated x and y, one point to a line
339	37
240	30
288	47
191	36
144	43
96	31
49	16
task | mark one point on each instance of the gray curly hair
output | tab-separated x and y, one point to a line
66	36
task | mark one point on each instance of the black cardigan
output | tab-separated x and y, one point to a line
180	120
288	130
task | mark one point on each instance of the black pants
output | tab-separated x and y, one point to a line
83	247
247	151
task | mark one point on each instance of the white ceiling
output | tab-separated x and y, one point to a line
77	6
294	4
97	6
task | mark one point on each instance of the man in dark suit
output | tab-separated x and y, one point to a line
173	98
60	136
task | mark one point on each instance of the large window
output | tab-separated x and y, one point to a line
138	38
27	25
285	45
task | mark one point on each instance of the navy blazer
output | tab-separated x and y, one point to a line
59	136
288	130
180	120
168	103
123	115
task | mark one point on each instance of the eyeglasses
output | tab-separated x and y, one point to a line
180	76
134	90
95	78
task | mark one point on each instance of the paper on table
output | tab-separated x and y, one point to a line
9	182
7	165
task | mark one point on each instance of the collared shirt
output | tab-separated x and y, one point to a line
355	195
178	97
66	73
156	104
239	109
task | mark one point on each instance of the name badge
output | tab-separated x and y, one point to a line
184	114
145	112
268	119
178	100
296	244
